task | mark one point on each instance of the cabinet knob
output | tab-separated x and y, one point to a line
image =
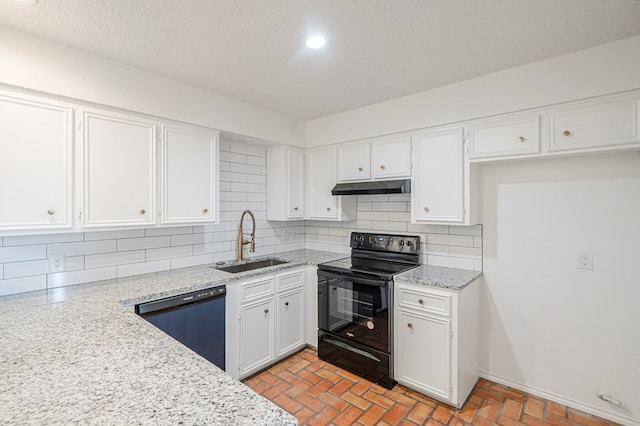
328	209
51	212
286	303
295	209
566	133
143	211
426	209
382	167
521	139
360	169
205	211
410	325
266	311
421	301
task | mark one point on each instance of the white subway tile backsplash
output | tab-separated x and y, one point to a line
112	259
233	196
450	240
142	268
168	252
188	239
213	247
450	262
83	248
437	249
248	169
475	230
232	176
23	284
1	271
25	269
185	262
129	244
113	235
389	226
231	157
389	207
60	279
173	230
373	216
262	179
41	239
465	252
245	148
246	187
20	253
257	161
399	217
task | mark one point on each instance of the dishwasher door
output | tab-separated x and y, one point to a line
197	320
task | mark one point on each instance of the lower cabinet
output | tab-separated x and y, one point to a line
265	321
435	340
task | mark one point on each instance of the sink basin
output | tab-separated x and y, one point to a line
243	267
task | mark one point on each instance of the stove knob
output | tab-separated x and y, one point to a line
401	243
409	243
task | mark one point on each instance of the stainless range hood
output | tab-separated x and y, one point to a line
381	187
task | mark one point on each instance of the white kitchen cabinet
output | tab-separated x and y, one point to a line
322	173
436	343
118	170
391	157
383	158
285	183
610	122
354	162
504	137
265	320
189	170
36	163
438	192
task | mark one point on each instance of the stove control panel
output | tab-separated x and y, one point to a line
385	242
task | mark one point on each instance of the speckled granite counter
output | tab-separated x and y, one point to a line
77	355
439	276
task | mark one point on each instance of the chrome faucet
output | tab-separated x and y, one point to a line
241	240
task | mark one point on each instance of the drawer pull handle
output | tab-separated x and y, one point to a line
359	169
51	212
382	167
205	211
143	211
521	139
295	209
410	325
328	209
266	311
566	133
426	209
286	303
421	301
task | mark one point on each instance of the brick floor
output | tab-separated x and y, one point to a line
318	393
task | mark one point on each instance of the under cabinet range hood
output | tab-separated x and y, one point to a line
370	188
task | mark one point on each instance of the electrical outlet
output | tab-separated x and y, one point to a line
585	261
57	262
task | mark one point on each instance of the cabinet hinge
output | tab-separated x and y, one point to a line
464	210
450	333
450	390
79	125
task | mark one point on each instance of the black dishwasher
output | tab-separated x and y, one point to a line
196	319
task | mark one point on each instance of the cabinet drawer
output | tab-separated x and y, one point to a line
256	289
518	136
596	125
291	280
425	302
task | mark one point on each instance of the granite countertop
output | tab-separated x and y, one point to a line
77	355
439	276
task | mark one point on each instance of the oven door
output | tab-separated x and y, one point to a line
355	308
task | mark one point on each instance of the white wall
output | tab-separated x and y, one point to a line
39	64
101	255
606	69
548	327
440	245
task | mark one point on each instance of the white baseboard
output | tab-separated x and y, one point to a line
587	408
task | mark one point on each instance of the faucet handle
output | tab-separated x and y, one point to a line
253	246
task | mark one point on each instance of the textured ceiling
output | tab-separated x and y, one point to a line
380	49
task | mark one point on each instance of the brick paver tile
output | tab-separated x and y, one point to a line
556	409
533	421
396	414
372	415
512	409
287	403
506	421
442	413
334	401
348	416
320	387
341	387
354	399
324	417
378	399
534	408
420	413
467	412
312	403
490	409
303	415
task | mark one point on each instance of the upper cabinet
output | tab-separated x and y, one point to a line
595	124
438	193
504	137
285	183
118	170
189	174
36	164
379	159
322	173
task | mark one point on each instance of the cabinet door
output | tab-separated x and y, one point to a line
295	183
189	175
290	328
438	195
423	353
355	162
119	172
256	336
35	163
595	124
515	136
321	173
391	158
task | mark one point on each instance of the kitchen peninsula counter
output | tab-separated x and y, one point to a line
79	355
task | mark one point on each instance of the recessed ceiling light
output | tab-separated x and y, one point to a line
315	41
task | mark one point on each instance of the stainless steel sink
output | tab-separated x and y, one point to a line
249	266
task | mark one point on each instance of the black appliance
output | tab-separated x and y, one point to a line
355	304
196	319
377	187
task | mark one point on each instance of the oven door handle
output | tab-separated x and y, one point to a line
355	280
